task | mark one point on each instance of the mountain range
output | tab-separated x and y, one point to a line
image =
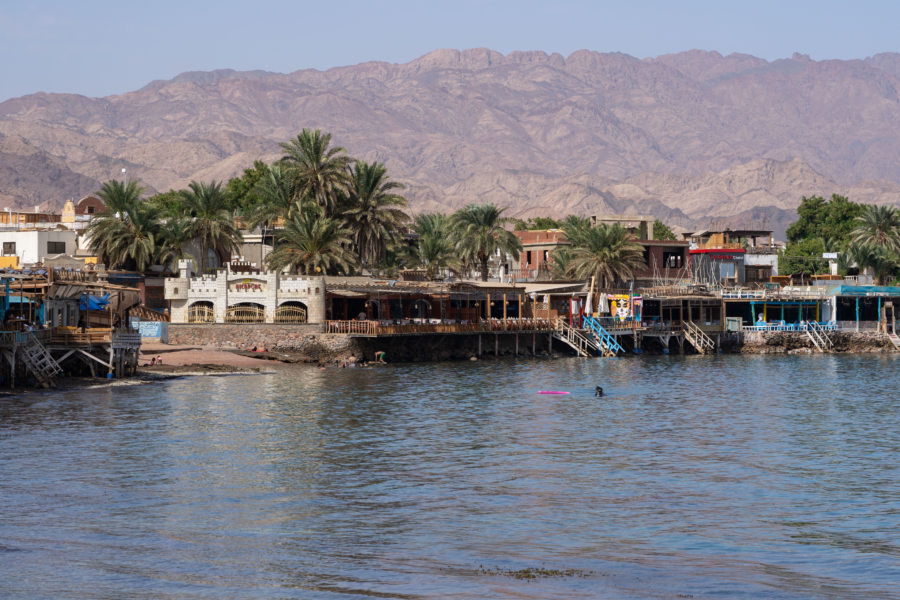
694	138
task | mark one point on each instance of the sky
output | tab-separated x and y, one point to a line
99	48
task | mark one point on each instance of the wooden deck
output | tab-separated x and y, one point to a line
379	329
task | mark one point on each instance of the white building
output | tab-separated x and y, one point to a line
241	293
34	245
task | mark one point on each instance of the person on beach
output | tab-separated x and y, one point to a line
159	359
380	355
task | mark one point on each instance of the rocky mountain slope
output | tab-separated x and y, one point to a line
694	137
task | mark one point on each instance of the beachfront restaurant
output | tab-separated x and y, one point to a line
786	310
671	312
863	307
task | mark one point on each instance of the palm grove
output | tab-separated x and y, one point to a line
864	236
329	213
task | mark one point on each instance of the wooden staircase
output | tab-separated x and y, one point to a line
895	339
609	346
582	344
39	361
697	338
819	337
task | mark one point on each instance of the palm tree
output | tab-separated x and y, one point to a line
211	221
311	242
434	250
120	197
882	261
561	263
171	240
879	226
276	197
608	253
319	172
480	232
373	215
576	229
126	238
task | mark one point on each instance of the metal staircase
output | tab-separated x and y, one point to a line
582	344
39	362
697	338
819	337
607	342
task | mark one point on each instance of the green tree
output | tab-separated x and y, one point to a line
434	249
311	243
120	197
169	204
535	223
883	261
480	231
609	253
878	226
661	231
319	170
211	221
373	214
170	241
561	263
126	238
802	256
831	220
275	198
576	229
241	190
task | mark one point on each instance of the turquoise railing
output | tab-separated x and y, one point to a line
605	338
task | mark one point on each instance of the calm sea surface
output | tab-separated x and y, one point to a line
702	477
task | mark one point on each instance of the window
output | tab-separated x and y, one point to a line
90	210
56	247
546	256
527	257
672	260
726	270
9	248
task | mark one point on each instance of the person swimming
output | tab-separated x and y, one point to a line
598	392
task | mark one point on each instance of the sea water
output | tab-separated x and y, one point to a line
692	477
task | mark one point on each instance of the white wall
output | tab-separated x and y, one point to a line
31	246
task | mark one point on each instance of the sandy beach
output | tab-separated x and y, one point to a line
176	358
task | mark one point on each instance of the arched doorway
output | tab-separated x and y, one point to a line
201	312
291	312
246	312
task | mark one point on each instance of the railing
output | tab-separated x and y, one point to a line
72	336
607	342
413	327
816	293
779	326
575	338
697	338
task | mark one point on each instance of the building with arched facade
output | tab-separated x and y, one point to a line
242	293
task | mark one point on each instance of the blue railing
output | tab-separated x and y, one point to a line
606	339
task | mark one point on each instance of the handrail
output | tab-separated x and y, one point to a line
607	340
483	326
697	337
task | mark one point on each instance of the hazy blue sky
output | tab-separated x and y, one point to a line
98	47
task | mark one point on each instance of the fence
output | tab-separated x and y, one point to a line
375	328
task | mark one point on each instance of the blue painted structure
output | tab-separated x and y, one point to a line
597	330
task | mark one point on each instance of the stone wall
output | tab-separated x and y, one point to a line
795	342
241	336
